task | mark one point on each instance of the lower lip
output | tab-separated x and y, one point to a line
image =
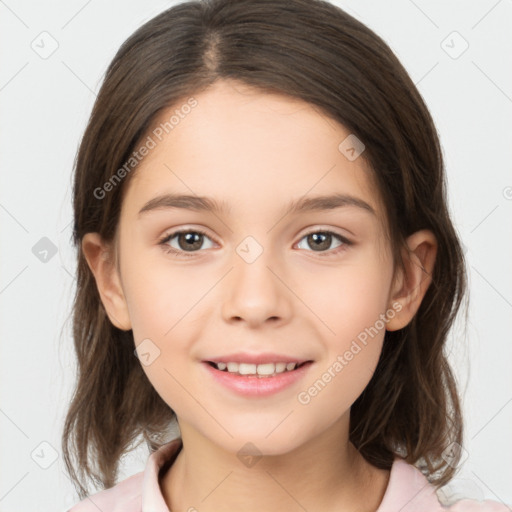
252	385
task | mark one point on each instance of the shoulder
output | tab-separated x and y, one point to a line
140	491
125	496
410	491
467	505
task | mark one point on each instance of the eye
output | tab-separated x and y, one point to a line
188	240
322	240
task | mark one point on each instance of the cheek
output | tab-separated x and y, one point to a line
165	307
352	307
350	356
160	296
349	299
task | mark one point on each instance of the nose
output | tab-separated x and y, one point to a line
256	292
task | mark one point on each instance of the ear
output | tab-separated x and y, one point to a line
100	261
410	286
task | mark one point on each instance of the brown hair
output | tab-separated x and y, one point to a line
314	51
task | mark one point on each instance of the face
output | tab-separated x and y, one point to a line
256	281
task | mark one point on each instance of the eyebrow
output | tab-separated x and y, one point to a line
208	204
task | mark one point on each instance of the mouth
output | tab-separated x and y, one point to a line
262	370
260	377
256	375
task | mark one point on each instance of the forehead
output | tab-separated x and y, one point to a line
242	145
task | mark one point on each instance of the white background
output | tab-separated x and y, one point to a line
45	104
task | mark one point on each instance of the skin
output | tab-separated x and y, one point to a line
257	151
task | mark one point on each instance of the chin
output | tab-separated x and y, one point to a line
260	439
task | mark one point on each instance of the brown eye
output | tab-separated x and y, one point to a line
321	241
188	241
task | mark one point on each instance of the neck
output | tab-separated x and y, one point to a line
313	477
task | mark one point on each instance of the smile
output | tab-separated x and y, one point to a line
256	370
256	380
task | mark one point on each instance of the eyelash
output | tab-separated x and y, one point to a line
184	254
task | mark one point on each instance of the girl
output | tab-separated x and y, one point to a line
267	263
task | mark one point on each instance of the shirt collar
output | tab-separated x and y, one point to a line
408	489
152	499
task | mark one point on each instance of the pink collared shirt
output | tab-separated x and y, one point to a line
408	490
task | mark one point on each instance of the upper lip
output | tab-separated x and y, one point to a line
263	358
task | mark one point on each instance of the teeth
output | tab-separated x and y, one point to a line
266	369
232	367
246	369
256	369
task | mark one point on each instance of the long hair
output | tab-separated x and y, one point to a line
314	51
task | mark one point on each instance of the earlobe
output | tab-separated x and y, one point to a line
100	261
412	283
